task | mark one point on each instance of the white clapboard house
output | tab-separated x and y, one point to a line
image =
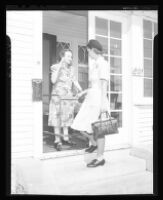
36	39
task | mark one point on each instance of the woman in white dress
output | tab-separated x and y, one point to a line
95	101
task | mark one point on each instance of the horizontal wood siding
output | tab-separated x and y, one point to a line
63	24
20	29
144	124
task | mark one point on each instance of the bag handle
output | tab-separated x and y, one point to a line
107	114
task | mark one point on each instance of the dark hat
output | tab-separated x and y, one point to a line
94	44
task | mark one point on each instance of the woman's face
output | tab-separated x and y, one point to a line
91	53
68	57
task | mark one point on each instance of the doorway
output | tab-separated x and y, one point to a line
53	43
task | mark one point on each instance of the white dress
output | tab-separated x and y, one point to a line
90	109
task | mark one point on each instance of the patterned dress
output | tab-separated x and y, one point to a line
61	107
91	107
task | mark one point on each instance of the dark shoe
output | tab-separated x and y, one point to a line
96	163
68	142
92	162
91	149
58	146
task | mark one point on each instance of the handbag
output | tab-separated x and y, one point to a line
106	126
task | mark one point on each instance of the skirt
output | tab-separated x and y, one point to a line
89	112
61	112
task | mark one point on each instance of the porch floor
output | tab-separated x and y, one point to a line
122	174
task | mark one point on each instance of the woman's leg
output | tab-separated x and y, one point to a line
100	152
90	137
100	148
65	133
57	132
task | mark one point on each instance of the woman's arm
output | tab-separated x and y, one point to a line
77	85
55	72
82	93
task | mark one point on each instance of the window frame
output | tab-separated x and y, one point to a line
148	99
81	43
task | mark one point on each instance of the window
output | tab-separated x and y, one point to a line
61	46
83	66
109	34
149	31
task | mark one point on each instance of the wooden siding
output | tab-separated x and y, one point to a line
20	29
143	124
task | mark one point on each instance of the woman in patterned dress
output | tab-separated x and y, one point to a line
61	111
95	101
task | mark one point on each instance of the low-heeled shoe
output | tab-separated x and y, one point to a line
96	163
91	149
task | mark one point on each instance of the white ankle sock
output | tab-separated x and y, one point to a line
99	158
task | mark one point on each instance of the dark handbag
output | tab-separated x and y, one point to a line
106	126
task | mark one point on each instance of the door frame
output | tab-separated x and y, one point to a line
117	16
74	44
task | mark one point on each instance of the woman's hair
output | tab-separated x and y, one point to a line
62	53
96	46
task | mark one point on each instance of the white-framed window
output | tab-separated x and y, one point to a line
83	66
149	31
109	34
61	46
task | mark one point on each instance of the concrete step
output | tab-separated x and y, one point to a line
144	152
134	183
69	175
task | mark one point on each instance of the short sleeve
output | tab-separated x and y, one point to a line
103	70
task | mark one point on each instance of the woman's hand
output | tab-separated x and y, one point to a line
80	94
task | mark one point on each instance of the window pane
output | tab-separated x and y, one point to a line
106	58
101	26
115	47
115	65
115	29
147	48
147	27
147	68
116	101
104	43
148	87
116	83
118	116
155	29
82	55
61	46
83	77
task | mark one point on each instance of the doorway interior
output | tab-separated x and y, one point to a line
54	41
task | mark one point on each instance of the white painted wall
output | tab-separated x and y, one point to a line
142	131
21	27
143	125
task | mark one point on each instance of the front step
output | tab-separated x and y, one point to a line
69	175
144	152
135	183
